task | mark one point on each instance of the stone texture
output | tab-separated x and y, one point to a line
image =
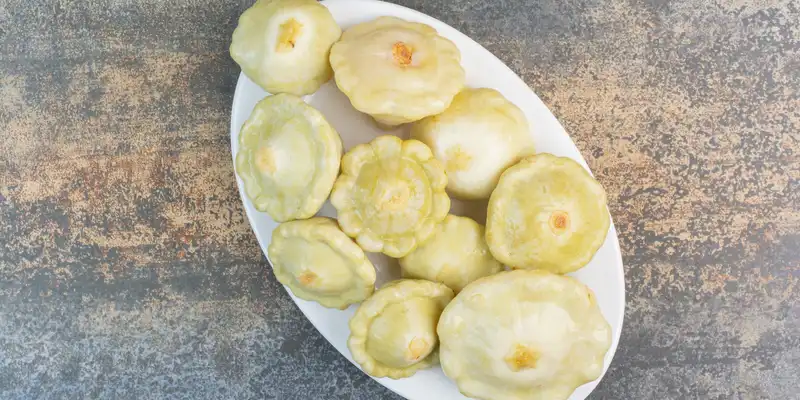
128	270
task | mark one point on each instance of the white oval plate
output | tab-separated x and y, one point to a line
604	274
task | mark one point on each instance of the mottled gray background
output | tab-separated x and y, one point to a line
128	271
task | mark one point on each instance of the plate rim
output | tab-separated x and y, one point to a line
622	294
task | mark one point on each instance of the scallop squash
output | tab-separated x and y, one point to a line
523	335
477	138
393	333
455	255
284	45
547	213
397	71
288	157
390	195
318	262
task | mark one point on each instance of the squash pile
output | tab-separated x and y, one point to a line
490	303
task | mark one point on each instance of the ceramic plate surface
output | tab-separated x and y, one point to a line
604	275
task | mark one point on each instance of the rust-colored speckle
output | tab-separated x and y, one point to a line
559	221
307	278
402	54
522	358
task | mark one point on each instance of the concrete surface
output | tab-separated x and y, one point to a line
128	270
